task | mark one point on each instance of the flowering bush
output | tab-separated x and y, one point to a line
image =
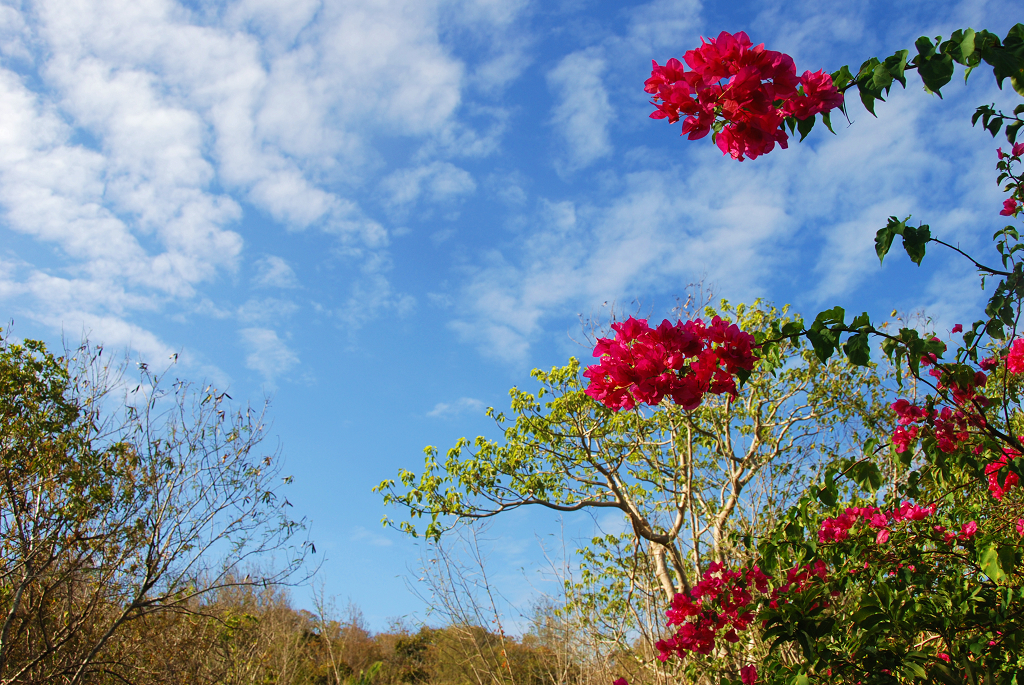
918	577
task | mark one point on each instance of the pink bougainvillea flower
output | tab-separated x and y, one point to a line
742	91
943	656
821	96
620	681
882	537
908	511
684	361
907	413
902	438
1018	149
989	363
1020	527
1015	359
968	530
992	470
748	674
1009	207
958	329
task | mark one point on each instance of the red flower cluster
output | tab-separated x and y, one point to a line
798	579
1015	359
948	426
968	530
838	529
752	90
1017	150
1011	205
730	590
992	472
684	361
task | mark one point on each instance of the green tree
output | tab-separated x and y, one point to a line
118	502
690	485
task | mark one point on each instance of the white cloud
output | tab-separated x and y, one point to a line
266	353
496	26
661	227
463	405
56	192
13	34
582	112
372	297
274	272
115	333
278	23
663	25
508	187
148	128
439	182
266	310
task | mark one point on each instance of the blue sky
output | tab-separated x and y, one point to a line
384	213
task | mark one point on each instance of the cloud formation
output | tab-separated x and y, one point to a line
463	405
139	137
266	353
582	111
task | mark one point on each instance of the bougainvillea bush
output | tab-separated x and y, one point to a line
915	579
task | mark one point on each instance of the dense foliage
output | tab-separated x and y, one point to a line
920	579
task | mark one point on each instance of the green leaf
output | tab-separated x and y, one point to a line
826	119
827	496
896	65
961	47
881	78
862	321
805	126
842	78
858	350
924	47
945	674
914	241
885	235
990	563
1007	560
868	97
823	341
793	327
914	669
1006	60
867	475
1012	130
830	317
982	111
966	46
936	69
